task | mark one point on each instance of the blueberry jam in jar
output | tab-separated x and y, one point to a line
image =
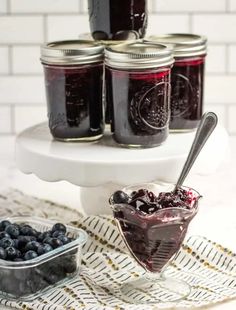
74	84
137	93
117	19
187	79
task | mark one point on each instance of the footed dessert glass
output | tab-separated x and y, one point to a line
153	236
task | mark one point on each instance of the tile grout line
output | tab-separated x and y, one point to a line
8	7
10	60
12	115
45	28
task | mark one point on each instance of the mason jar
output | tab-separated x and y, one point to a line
117	19
137	92
73	73
187	78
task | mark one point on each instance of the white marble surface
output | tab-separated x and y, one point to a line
216	219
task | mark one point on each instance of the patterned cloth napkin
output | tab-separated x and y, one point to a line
209	268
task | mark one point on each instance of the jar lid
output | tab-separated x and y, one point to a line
184	44
71	52
138	55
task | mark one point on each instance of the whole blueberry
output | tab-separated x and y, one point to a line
59	227
4	224
12	253
30	255
44	235
56	243
32	246
16	243
3	234
25	230
44	248
3	254
47	240
23	240
6	242
64	239
57	233
12	230
120	197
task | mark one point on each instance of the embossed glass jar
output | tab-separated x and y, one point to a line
117	19
187	78
138	92
74	85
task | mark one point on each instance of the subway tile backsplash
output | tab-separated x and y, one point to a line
25	24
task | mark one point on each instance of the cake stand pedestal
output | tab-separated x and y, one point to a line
102	167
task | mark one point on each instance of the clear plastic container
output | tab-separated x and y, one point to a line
27	280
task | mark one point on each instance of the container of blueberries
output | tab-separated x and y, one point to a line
36	255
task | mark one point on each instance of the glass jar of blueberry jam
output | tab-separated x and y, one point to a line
137	92
117	19
74	87
187	79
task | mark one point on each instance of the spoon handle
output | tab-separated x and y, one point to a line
206	127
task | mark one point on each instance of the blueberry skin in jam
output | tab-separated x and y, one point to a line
138	105
74	100
117	19
187	80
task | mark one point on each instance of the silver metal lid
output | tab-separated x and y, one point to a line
72	52
184	44
138	55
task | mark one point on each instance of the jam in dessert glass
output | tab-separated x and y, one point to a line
153	225
73	71
187	78
138	93
117	19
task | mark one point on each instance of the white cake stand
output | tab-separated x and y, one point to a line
101	167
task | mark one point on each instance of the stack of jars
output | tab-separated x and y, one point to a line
141	87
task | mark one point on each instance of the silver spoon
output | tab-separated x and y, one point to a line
206	127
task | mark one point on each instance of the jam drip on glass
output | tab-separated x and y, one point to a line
117	19
74	110
187	79
138	105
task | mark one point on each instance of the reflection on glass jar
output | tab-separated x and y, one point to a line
137	93
117	19
74	87
187	79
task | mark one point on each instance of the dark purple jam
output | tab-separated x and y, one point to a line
74	100
154	227
138	106
187	80
117	19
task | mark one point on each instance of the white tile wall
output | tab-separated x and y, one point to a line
189	6
18	29
66	26
158	24
22	90
219	28
232	59
232	119
3	6
26	116
4	60
232	5
25	24
44	6
25	60
5	120
216	60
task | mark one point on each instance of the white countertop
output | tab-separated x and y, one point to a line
216	219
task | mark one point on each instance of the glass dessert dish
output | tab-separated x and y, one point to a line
25	280
73	73
187	78
117	20
138	92
153	225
